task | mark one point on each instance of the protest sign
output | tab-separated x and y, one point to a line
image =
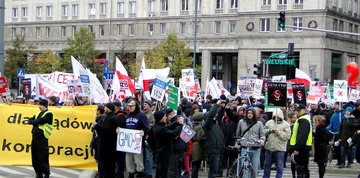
3	85
257	88
158	89
129	141
188	77
27	88
299	94
71	87
315	94
340	90
187	133
277	94
173	99
354	95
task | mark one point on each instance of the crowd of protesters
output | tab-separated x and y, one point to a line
291	132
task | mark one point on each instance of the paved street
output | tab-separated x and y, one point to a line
27	172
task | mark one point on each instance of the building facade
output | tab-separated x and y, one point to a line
232	35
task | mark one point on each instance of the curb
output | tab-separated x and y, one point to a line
342	171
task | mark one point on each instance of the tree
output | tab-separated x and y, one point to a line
126	54
46	62
17	56
82	48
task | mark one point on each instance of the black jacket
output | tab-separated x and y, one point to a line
214	136
106	148
47	119
321	139
228	128
163	137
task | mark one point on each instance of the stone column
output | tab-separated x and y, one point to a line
206	68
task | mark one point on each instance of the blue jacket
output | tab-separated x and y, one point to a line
334	125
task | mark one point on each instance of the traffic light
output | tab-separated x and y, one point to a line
282	20
258	70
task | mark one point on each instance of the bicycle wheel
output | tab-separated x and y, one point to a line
232	170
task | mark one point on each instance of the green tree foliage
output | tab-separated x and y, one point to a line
170	53
46	62
82	48
17	56
127	54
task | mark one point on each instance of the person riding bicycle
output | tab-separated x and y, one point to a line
251	130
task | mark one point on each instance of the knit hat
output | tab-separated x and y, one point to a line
117	103
349	109
168	111
209	97
198	116
158	115
148	102
184	101
278	113
110	106
43	102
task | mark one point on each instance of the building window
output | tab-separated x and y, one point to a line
182	28
131	29
341	25
63	31
164	5
162	28
350	27
65	10
233	4
356	7
266	2
340	3
282	2
356	29
297	22
38	11
219	4
102	8
38	32
49	11
92	9
184	5
299	1
132	7
120	7
335	24
232	27
15	12
120	29
75	9
278	29
73	28
24	11
48	32
334	2
217	27
91	28
349	5
101	30
264	25
22	31
13	33
199	4
150	29
151	6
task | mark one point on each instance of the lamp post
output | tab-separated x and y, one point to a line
2	13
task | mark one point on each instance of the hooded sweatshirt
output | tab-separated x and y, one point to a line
335	121
137	120
255	133
277	142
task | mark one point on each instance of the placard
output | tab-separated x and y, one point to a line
187	133
354	95
299	94
3	85
258	88
158	89
129	141
27	88
277	94
71	87
315	94
340	90
173	99
188	77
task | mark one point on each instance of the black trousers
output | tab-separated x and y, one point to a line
302	168
106	168
162	168
40	156
195	169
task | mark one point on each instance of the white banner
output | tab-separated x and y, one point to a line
129	141
354	95
47	89
340	90
258	88
188	77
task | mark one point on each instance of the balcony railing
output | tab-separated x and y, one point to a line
266	7
298	6
184	12
132	14
282	7
233	11
165	13
219	11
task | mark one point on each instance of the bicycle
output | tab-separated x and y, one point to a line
246	166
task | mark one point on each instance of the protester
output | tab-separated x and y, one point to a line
43	123
346	132
278	133
199	141
100	116
120	156
321	139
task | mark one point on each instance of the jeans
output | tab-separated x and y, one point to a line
175	165
148	160
254	159
347	151
279	157
214	161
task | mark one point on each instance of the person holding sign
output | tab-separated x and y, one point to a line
43	123
162	137
106	147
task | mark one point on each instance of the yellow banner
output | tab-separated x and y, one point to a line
69	143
